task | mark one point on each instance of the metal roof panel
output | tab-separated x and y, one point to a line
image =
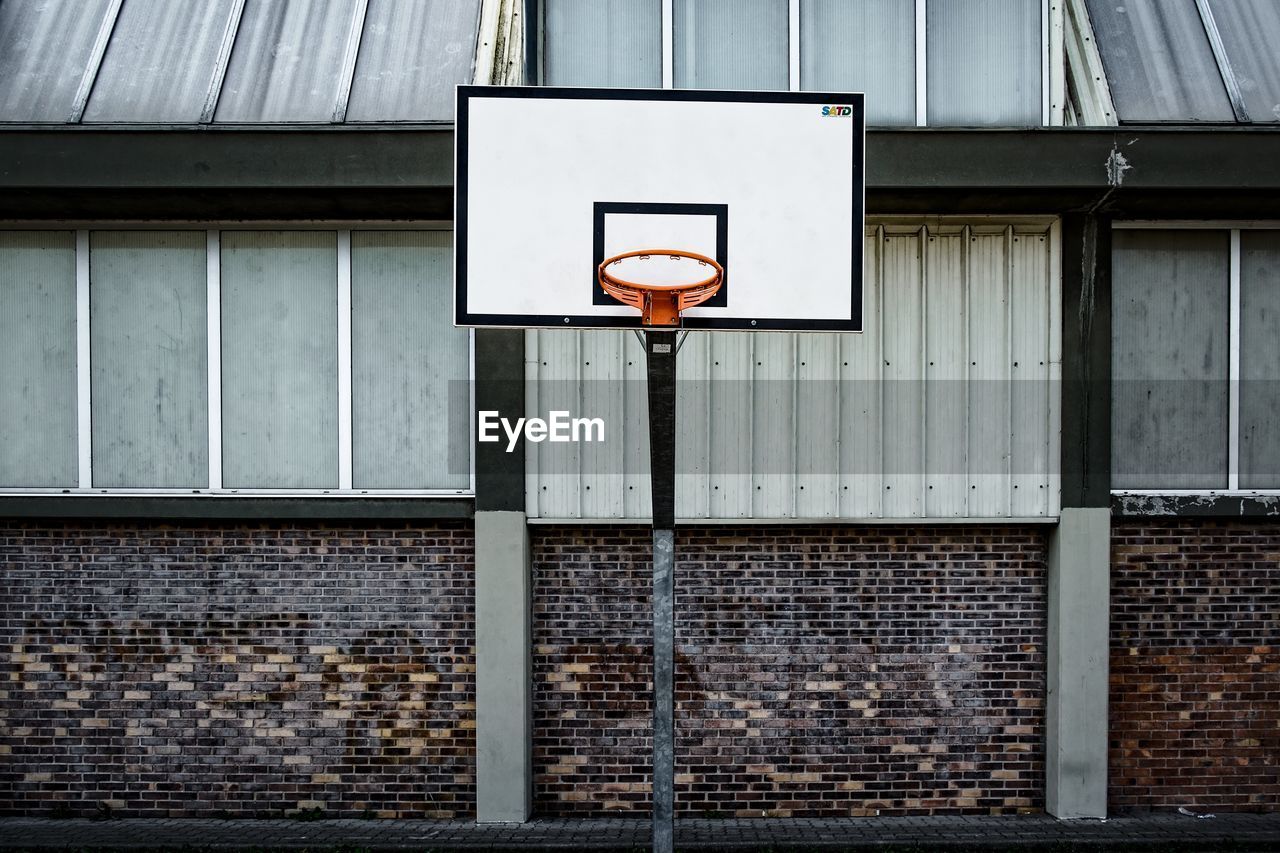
1159	62
411	57
162	61
45	48
287	61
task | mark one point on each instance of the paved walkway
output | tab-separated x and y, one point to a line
1164	832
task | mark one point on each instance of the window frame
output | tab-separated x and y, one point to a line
1052	53
213	292
1233	229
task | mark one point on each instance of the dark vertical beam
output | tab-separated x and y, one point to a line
532	42
661	358
499	386
503	589
661	354
1086	360
1078	565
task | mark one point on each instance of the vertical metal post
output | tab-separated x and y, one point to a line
660	349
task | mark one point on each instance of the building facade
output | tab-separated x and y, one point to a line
1013	548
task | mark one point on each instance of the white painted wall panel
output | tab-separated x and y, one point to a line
638	499
989	413
560	385
902	414
817	407
1030	391
693	485
602	368
861	393
947	354
730	437
946	406
773	426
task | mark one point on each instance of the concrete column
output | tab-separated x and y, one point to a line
1078	648
504	683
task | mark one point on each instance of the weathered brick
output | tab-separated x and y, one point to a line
804	655
1195	665
209	680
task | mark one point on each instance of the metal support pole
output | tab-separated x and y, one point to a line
660	348
664	750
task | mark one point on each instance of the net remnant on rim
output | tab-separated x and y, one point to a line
660	303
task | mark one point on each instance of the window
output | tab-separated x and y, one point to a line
280	359
406	360
1259	374
38	350
148	330
864	47
603	43
224	361
987	60
730	44
1195	360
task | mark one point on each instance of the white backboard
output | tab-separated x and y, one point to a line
551	181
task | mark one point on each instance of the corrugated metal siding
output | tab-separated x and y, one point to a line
945	407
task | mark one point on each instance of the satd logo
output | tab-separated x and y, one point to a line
837	111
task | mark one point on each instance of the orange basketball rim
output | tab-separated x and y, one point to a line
660	302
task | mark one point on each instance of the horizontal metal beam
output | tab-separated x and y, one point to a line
221	205
344	169
1156	158
309	158
235	508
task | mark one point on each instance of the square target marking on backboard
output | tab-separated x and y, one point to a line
623	226
550	181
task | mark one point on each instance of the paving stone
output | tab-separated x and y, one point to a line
1151	831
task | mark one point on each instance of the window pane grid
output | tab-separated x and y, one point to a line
1249	410
879	47
130	352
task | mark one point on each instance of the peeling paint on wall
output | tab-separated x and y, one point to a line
1117	164
1203	505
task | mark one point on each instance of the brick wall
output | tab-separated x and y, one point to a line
251	670
1195	665
820	670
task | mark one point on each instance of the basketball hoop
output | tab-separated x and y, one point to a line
660	282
